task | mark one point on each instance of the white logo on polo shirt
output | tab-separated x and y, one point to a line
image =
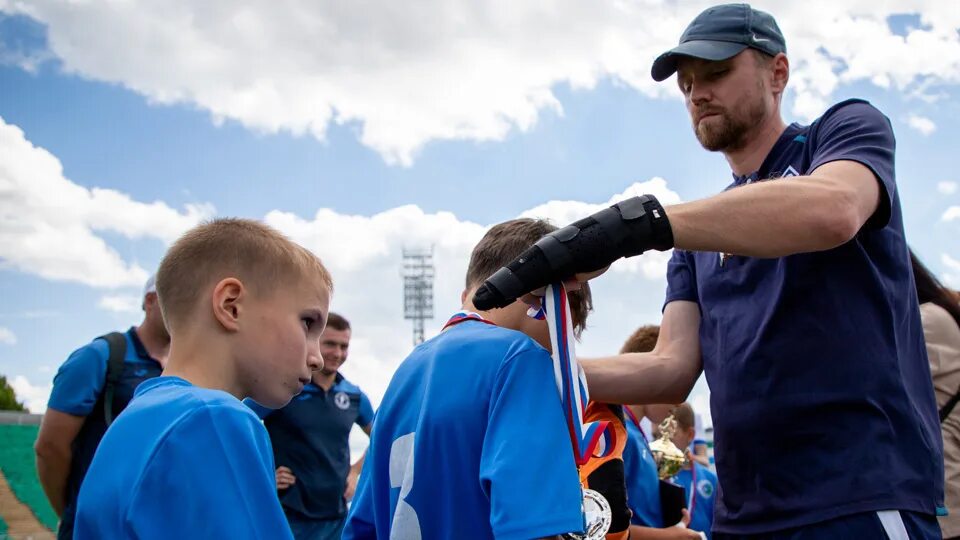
705	489
789	172
341	400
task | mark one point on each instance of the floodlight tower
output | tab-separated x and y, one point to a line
417	275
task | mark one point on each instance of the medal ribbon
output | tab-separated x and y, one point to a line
636	422
588	440
463	316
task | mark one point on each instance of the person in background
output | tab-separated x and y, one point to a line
643	484
311	442
89	391
940	315
698	481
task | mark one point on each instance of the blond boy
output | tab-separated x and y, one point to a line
245	308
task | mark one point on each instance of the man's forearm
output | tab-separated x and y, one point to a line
639	378
53	471
768	219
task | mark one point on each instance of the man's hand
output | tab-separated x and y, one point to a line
285	478
625	229
351	485
54	450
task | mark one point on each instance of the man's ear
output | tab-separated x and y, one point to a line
780	68
228	297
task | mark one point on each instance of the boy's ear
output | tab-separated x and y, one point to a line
228	295
463	297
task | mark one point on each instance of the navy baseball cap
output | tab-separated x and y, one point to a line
721	32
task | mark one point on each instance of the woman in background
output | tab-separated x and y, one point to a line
940	314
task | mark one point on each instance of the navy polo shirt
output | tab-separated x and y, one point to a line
820	389
78	390
311	436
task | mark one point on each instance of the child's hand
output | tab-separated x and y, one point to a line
285	478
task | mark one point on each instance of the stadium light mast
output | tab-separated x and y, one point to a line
417	275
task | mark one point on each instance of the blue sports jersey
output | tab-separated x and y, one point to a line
470	441
643	484
821	355
701	503
78	389
181	462
311	436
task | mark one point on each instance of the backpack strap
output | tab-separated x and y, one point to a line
118	350
948	406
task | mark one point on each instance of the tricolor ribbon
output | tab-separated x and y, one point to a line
594	439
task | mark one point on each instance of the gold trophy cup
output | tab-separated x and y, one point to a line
668	457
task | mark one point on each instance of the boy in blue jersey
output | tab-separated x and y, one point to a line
245	308
792	290
699	482
643	483
470	439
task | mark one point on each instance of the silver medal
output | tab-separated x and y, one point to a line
596	514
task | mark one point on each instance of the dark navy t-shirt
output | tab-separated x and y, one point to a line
311	437
820	389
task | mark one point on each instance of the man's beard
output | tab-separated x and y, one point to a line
730	134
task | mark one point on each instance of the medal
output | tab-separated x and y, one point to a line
597	516
594	439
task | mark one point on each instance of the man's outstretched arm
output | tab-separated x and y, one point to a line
766	219
665	375
774	219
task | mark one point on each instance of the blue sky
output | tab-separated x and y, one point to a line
112	125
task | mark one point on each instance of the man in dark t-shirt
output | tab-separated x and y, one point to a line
792	290
311	442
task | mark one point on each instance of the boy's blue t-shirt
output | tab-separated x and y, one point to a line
469	442
701	517
643	484
181	462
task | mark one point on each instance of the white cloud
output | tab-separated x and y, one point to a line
947	188
7	337
121	303
951	277
49	225
33	397
922	124
456	69
951	214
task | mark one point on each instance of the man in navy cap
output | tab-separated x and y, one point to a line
792	290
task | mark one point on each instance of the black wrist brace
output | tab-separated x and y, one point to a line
625	229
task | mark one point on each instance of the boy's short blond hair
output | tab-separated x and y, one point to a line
248	250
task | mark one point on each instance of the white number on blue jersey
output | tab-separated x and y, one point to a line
406	524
